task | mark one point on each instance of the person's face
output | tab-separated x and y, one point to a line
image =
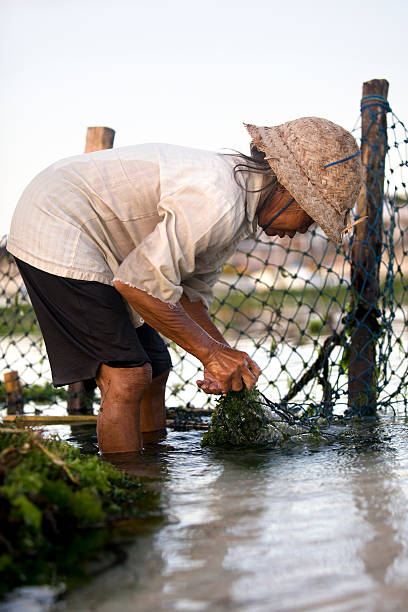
293	219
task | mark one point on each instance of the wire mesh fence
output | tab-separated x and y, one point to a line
300	307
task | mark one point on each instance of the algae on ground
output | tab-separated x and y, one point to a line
246	418
59	508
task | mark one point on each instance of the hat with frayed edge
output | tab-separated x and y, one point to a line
298	151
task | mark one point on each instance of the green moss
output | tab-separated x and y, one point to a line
59	508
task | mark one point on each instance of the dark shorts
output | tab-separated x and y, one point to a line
86	323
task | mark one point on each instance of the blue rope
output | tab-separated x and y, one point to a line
381	102
374	97
340	161
386	107
264	227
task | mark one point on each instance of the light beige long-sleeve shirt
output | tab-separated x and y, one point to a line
158	217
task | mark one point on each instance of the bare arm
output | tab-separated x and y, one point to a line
199	313
227	366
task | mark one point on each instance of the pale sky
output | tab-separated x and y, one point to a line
183	72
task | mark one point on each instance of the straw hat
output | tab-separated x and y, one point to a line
298	151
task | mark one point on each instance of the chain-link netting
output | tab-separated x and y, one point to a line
304	310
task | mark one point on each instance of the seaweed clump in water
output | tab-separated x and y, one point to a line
247	418
59	510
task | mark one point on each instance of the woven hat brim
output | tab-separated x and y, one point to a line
290	174
309	198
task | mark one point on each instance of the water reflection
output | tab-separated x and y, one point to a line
83	436
379	489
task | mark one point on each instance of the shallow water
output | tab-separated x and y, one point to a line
305	529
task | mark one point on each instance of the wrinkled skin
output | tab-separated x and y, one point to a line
189	325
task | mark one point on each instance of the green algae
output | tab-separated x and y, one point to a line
60	510
247	419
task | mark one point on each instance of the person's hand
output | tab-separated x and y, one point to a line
210	384
227	369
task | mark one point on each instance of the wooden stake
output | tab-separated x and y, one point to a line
98	138
14	392
79	399
34	419
366	251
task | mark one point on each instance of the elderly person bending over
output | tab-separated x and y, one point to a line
117	245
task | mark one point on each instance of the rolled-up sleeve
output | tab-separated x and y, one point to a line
194	220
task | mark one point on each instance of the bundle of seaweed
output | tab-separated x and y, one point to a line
59	509
248	418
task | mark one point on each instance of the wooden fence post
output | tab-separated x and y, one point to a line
79	399
14	392
98	138
366	251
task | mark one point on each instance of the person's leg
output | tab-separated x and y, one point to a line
86	324
153	410
122	391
